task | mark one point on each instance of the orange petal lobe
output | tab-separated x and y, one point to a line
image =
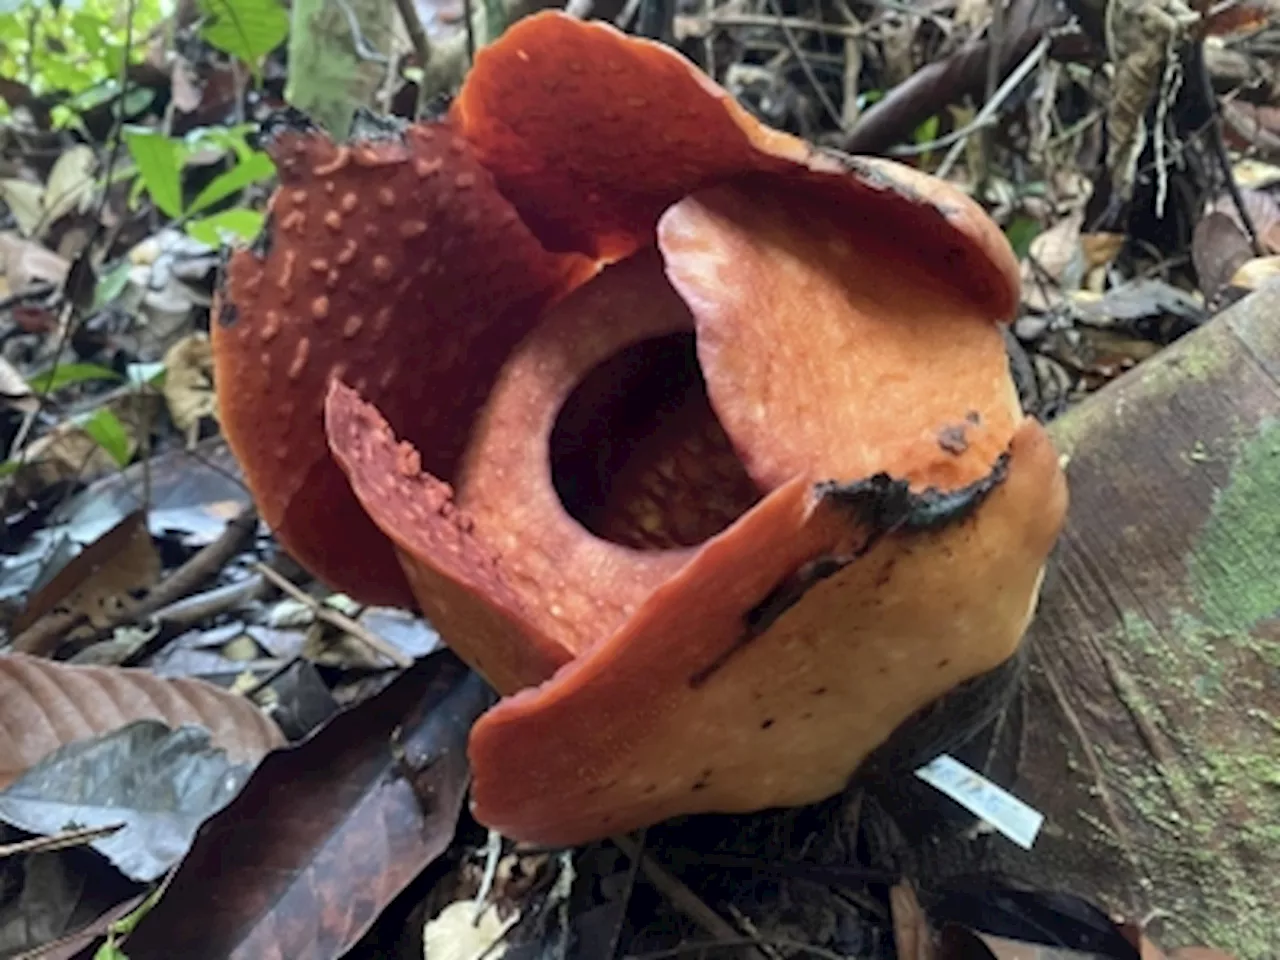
458	580
688	708
593	134
394	265
829	354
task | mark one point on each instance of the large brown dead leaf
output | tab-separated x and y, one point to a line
44	705
1218	249
25	263
327	833
96	585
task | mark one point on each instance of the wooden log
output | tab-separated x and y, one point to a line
1152	742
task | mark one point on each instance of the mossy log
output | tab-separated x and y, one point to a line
1153	740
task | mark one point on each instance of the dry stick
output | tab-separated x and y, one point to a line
470	15
946	140
812	77
929	90
208	604
336	618
797	23
421	48
995	56
1218	143
615	937
203	564
684	899
48	631
59	841
1011	83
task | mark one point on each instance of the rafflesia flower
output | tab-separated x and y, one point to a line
696	441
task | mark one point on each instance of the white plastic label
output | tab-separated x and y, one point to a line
1017	821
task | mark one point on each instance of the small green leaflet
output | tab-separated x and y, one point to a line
1020	231
109	433
246	29
125	926
111	284
251	168
237	224
66	374
159	162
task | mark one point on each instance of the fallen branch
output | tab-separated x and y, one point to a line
336	618
47	633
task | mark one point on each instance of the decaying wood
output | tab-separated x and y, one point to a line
1148	726
1153	736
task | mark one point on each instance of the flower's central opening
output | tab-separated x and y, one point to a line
638	456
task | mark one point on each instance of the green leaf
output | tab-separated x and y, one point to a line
237	224
927	132
328	77
227	138
159	161
111	284
245	29
255	168
109	951
109	433
137	100
1020	232
66	374
495	21
95	95
126	925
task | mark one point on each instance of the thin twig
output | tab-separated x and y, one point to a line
917	149
995	57
684	899
992	106
625	16
421	48
79	837
208	604
615	938
1218	144
336	618
203	564
723	20
469	15
48	631
492	857
812	77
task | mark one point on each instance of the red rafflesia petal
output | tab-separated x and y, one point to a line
817	363
396	267
593	134
720	492
689	707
